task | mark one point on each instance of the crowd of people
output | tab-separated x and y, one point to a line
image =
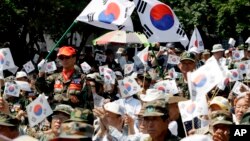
85	107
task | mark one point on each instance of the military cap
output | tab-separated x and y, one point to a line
187	56
75	130
156	108
63	108
245	120
241	47
221	117
81	115
206	51
8	120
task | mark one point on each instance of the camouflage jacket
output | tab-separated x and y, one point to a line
60	91
183	88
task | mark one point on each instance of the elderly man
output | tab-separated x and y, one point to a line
65	87
156	117
78	127
60	114
187	64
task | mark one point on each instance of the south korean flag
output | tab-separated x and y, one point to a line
159	22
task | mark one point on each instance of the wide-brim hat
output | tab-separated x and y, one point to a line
113	107
152	94
217	48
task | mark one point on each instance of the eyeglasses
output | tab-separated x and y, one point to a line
64	57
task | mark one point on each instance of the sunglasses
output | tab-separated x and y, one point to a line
64	57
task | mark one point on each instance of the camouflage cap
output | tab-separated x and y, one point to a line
221	117
245	120
155	108
241	47
81	115
8	120
206	51
75	130
66	109
187	56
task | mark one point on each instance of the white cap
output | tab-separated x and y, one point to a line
152	94
118	73
113	107
21	74
197	137
194	50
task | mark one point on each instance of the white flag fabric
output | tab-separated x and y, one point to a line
237	88
173	59
205	78
231	42
128	68
42	65
196	41
101	69
242	66
28	67
11	89
38	110
159	22
109	14
13	70
237	54
23	85
109	76
6	60
143	56
235	75
85	67
100	57
128	86
248	40
190	109
167	86
35	58
50	66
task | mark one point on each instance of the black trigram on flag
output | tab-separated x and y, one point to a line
120	27
104	2
180	31
90	17
147	31
141	6
126	13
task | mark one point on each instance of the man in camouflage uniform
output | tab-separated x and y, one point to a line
9	126
79	126
157	119
68	87
60	114
187	64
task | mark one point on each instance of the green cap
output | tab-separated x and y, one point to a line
66	109
81	115
241	47
75	130
155	108
221	117
187	56
8	120
245	120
